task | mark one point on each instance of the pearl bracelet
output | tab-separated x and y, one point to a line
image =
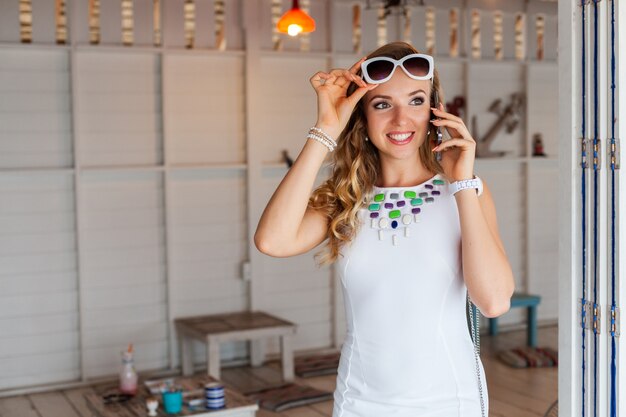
324	134
321	140
322	137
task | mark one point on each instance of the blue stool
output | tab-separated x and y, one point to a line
522	300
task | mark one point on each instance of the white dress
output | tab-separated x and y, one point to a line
408	351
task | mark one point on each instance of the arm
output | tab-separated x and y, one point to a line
486	269
288	227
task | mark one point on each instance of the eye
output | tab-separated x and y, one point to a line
381	105
417	101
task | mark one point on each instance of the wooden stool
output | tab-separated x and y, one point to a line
522	300
251	326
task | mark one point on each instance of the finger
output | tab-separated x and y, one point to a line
454	143
357	65
359	93
440	112
459	126
319	78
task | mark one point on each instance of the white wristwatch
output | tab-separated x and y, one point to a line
475	182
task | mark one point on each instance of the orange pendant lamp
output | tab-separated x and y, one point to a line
295	21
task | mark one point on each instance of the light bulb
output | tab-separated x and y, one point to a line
294	29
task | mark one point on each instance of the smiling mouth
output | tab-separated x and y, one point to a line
400	138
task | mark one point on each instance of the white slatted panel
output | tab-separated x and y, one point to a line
503	79
543	204
289	99
296	289
123	259
204	109
543	236
208	240
507	185
35	123
118	108
38	292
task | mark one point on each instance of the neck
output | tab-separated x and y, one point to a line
403	173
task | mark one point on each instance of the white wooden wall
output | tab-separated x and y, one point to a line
131	178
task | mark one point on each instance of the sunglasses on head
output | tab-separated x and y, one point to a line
381	68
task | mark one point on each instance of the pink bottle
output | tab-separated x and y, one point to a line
128	375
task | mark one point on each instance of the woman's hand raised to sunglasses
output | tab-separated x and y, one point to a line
334	107
459	152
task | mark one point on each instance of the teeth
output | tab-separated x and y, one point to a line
400	137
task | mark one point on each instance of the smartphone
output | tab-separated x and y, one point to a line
438	128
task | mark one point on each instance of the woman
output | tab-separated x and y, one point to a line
409	235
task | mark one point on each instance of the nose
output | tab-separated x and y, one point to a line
400	115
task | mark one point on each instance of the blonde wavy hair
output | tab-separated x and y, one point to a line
356	165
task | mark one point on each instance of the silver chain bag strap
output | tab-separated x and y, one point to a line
476	338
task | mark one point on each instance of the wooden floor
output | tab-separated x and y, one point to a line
512	392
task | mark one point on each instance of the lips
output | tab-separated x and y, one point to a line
400	138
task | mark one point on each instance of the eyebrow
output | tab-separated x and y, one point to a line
388	97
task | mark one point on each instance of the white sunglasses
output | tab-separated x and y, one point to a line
381	68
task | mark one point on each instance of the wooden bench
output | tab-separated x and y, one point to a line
522	300
250	326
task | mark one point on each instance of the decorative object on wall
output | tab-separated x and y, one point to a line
156	21
127	22
520	33
540	25
287	159
454	107
430	30
475	34
277	11
305	39
508	117
538	145
295	21
220	28
381	25
190	23
407	24
26	21
356	28
497	35
453	18
94	22
61	22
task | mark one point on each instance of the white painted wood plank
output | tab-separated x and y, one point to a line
41	262
138	218
120	257
211	288
217	306
118	277
53	404
60	363
46	282
18	347
40	81
20	406
36	325
106	361
41	378
119	298
37	304
76	397
36	101
134	315
112	337
33	61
